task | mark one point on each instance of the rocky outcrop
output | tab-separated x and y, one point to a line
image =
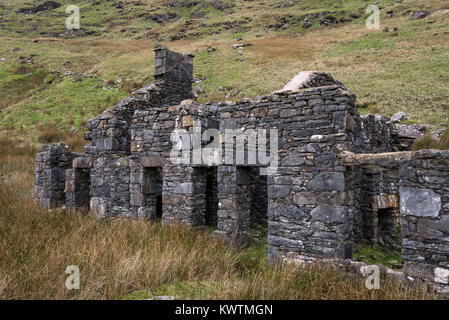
47	5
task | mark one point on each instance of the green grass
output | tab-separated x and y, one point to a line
19	81
64	104
398	74
378	254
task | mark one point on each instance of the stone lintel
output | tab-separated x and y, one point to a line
384	201
153	161
348	158
82	163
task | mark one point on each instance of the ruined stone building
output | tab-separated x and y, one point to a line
340	177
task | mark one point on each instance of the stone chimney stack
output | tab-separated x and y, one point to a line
175	70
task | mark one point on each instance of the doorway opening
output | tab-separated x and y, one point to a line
152	192
252	202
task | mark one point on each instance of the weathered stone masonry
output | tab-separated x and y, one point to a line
341	177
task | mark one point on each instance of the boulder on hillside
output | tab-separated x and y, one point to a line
47	5
419	15
414	131
398	117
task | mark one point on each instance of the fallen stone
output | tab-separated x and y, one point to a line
414	131
398	117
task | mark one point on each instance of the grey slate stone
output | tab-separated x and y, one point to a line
419	202
331	214
328	181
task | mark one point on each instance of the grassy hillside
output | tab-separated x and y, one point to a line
404	66
53	80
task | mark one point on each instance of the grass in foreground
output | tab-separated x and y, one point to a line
124	259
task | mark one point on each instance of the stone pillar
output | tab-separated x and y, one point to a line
110	186
184	195
51	165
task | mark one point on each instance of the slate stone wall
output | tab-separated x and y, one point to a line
375	135
117	138
175	72
110	196
424	208
310	197
50	167
212	196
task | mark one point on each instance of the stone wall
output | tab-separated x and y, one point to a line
424	207
117	138
310	197
376	135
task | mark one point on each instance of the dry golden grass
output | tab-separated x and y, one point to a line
427	142
51	134
121	257
115	257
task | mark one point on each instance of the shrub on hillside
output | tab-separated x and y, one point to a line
427	142
131	85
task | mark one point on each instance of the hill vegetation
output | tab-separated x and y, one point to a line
52	76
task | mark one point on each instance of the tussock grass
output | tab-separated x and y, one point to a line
427	142
51	134
131	85
121	259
